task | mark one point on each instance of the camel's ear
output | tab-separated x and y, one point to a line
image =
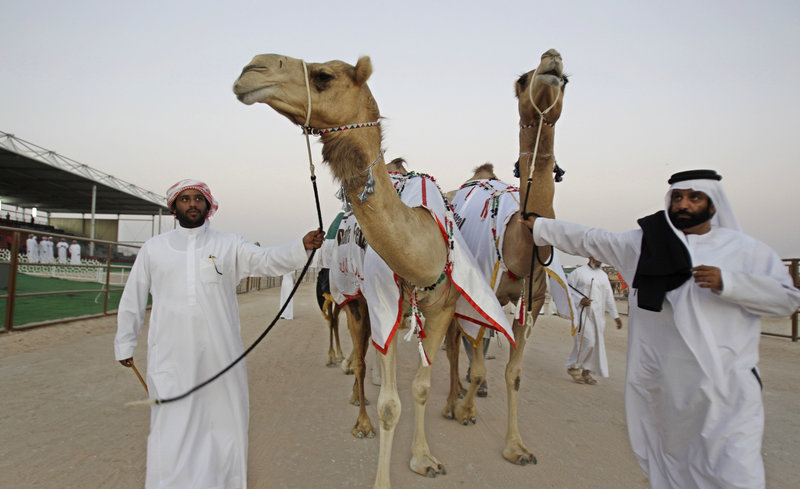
363	70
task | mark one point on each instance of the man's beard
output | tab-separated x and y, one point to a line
685	219
189	222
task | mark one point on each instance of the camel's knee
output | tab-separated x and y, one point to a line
513	377
389	413
421	391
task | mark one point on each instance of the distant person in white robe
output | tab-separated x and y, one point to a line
693	392
48	250
287	284
590	288
199	442
62	250
43	254
75	253
32	249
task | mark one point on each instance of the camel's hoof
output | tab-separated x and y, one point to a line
361	434
331	364
432	473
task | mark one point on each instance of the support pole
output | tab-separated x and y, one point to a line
91	229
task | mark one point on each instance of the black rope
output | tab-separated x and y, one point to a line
274	321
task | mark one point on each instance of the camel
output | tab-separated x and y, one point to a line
334	99
543	87
344	252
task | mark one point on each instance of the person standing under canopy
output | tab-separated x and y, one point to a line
693	392
62	250
32	249
590	288
199	442
75	253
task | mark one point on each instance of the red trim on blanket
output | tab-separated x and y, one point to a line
396	321
425	193
449	270
348	298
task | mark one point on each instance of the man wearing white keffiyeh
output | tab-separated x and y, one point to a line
693	396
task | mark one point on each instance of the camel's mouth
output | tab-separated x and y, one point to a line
254	95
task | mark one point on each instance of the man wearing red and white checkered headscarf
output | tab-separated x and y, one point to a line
192	273
189	189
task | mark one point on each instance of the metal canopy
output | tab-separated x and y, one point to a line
31	176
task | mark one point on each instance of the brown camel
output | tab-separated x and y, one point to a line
543	87
409	240
347	234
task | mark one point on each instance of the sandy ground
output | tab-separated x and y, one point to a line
64	424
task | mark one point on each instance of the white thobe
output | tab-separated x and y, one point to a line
32	250
693	404
199	442
287	284
62	251
589	349
75	254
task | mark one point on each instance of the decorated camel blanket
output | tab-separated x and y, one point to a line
476	308
483	208
343	253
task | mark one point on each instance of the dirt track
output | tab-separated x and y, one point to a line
64	423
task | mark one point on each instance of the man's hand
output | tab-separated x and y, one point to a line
619	322
313	240
586	302
708	277
529	221
128	362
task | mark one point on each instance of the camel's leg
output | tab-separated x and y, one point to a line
358	324
389	408
453	342
436	325
466	412
332	316
335	316
515	450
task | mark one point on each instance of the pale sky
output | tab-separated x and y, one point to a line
143	91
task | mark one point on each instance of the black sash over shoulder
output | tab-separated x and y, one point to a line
664	262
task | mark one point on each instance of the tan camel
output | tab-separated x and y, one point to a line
335	95
545	90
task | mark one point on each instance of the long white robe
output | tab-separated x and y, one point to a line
199	442
62	251
75	254
32	250
287	284
589	348
693	405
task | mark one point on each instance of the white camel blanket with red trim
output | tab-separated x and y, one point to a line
345	259
476	308
483	209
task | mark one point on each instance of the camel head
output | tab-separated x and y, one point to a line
544	86
339	91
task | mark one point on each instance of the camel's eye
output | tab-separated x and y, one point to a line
322	79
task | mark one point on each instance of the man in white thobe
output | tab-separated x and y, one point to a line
199	442
75	253
591	289
693	394
287	284
62	250
32	249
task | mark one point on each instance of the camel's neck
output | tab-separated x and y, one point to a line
518	241
542	187
407	239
